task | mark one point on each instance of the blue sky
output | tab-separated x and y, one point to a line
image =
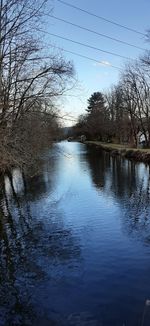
94	77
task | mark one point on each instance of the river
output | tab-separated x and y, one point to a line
75	241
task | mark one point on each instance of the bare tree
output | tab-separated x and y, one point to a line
30	79
119	120
136	85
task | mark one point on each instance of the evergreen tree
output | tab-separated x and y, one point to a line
96	102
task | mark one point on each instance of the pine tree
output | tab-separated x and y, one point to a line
96	103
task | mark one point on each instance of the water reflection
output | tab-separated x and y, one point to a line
129	184
137	217
112	173
74	240
30	247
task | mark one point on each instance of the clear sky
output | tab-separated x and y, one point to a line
93	76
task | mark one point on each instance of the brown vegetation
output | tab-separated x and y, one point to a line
142	155
30	82
122	113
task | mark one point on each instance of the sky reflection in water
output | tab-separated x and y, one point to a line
75	241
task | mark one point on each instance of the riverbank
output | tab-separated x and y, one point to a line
136	154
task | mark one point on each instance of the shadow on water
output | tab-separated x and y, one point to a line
112	173
129	184
75	241
31	248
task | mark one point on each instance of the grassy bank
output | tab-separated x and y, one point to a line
138	155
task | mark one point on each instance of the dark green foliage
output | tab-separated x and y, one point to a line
96	102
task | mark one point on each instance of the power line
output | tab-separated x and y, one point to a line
97	33
86	45
89	58
71	52
103	63
102	18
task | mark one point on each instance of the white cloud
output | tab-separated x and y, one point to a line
103	63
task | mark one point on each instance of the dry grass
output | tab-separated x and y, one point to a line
118	146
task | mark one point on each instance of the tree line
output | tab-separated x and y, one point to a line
122	113
31	80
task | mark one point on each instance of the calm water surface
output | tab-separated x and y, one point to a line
75	241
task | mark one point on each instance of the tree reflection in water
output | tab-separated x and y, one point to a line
44	279
137	217
30	246
129	184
